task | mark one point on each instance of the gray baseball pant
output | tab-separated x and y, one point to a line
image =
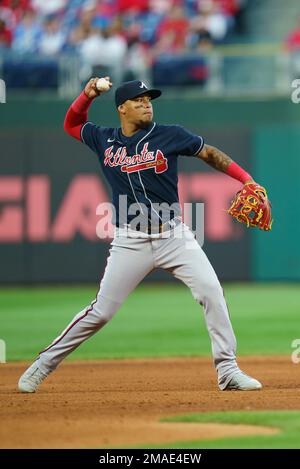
133	255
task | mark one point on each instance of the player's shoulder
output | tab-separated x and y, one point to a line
169	128
99	128
99	131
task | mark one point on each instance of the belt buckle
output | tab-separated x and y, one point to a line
168	225
154	229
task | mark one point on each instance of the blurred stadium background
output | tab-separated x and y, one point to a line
226	69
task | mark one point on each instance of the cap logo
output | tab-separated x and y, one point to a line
142	85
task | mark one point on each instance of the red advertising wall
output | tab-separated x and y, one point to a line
50	187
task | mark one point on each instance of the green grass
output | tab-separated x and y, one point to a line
288	422
154	321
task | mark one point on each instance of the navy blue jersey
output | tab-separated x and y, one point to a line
142	167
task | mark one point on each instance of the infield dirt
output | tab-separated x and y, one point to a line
119	403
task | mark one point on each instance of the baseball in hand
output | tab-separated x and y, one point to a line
102	84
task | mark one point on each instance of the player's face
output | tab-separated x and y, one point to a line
139	110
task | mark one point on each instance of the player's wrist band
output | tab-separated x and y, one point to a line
236	172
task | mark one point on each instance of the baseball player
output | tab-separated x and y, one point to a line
139	160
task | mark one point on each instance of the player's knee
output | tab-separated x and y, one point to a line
210	290
105	308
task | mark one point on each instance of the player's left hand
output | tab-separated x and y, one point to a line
252	207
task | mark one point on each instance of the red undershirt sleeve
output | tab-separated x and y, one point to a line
77	115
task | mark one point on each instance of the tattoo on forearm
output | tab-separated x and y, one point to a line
216	158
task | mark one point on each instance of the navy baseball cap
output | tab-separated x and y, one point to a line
133	89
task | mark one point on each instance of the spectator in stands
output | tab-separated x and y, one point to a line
107	8
104	12
172	32
161	7
87	25
101	50
48	7
52	39
205	43
150	21
209	20
229	7
137	60
130	6
16	9
5	35
27	34
114	51
114	42
71	14
89	46
8	16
